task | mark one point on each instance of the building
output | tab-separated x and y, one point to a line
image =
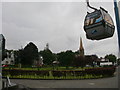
82	60
10	59
79	57
81	49
47	47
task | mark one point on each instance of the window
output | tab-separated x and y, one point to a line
93	18
108	18
87	21
6	62
98	19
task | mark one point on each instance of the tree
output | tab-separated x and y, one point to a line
112	58
48	56
18	54
79	61
29	54
66	58
89	59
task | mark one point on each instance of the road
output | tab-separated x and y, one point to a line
111	82
94	83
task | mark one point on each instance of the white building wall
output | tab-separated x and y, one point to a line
9	60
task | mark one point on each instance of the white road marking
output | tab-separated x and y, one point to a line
91	83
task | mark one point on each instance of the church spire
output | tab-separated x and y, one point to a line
81	49
81	44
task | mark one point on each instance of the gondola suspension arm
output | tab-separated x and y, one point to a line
89	5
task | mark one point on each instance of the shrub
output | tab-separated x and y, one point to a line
103	71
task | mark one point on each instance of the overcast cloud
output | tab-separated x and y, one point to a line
58	23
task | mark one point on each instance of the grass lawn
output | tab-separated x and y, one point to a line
52	78
50	68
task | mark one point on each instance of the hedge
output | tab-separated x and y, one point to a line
17	72
107	71
104	71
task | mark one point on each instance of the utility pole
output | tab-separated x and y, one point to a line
117	15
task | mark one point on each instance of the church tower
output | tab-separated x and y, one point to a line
81	49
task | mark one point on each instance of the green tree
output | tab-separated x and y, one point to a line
29	54
48	56
79	61
112	58
18	54
66	58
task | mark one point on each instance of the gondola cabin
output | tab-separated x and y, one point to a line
98	25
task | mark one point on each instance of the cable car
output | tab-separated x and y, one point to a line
98	25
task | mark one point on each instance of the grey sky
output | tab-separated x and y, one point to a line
58	23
